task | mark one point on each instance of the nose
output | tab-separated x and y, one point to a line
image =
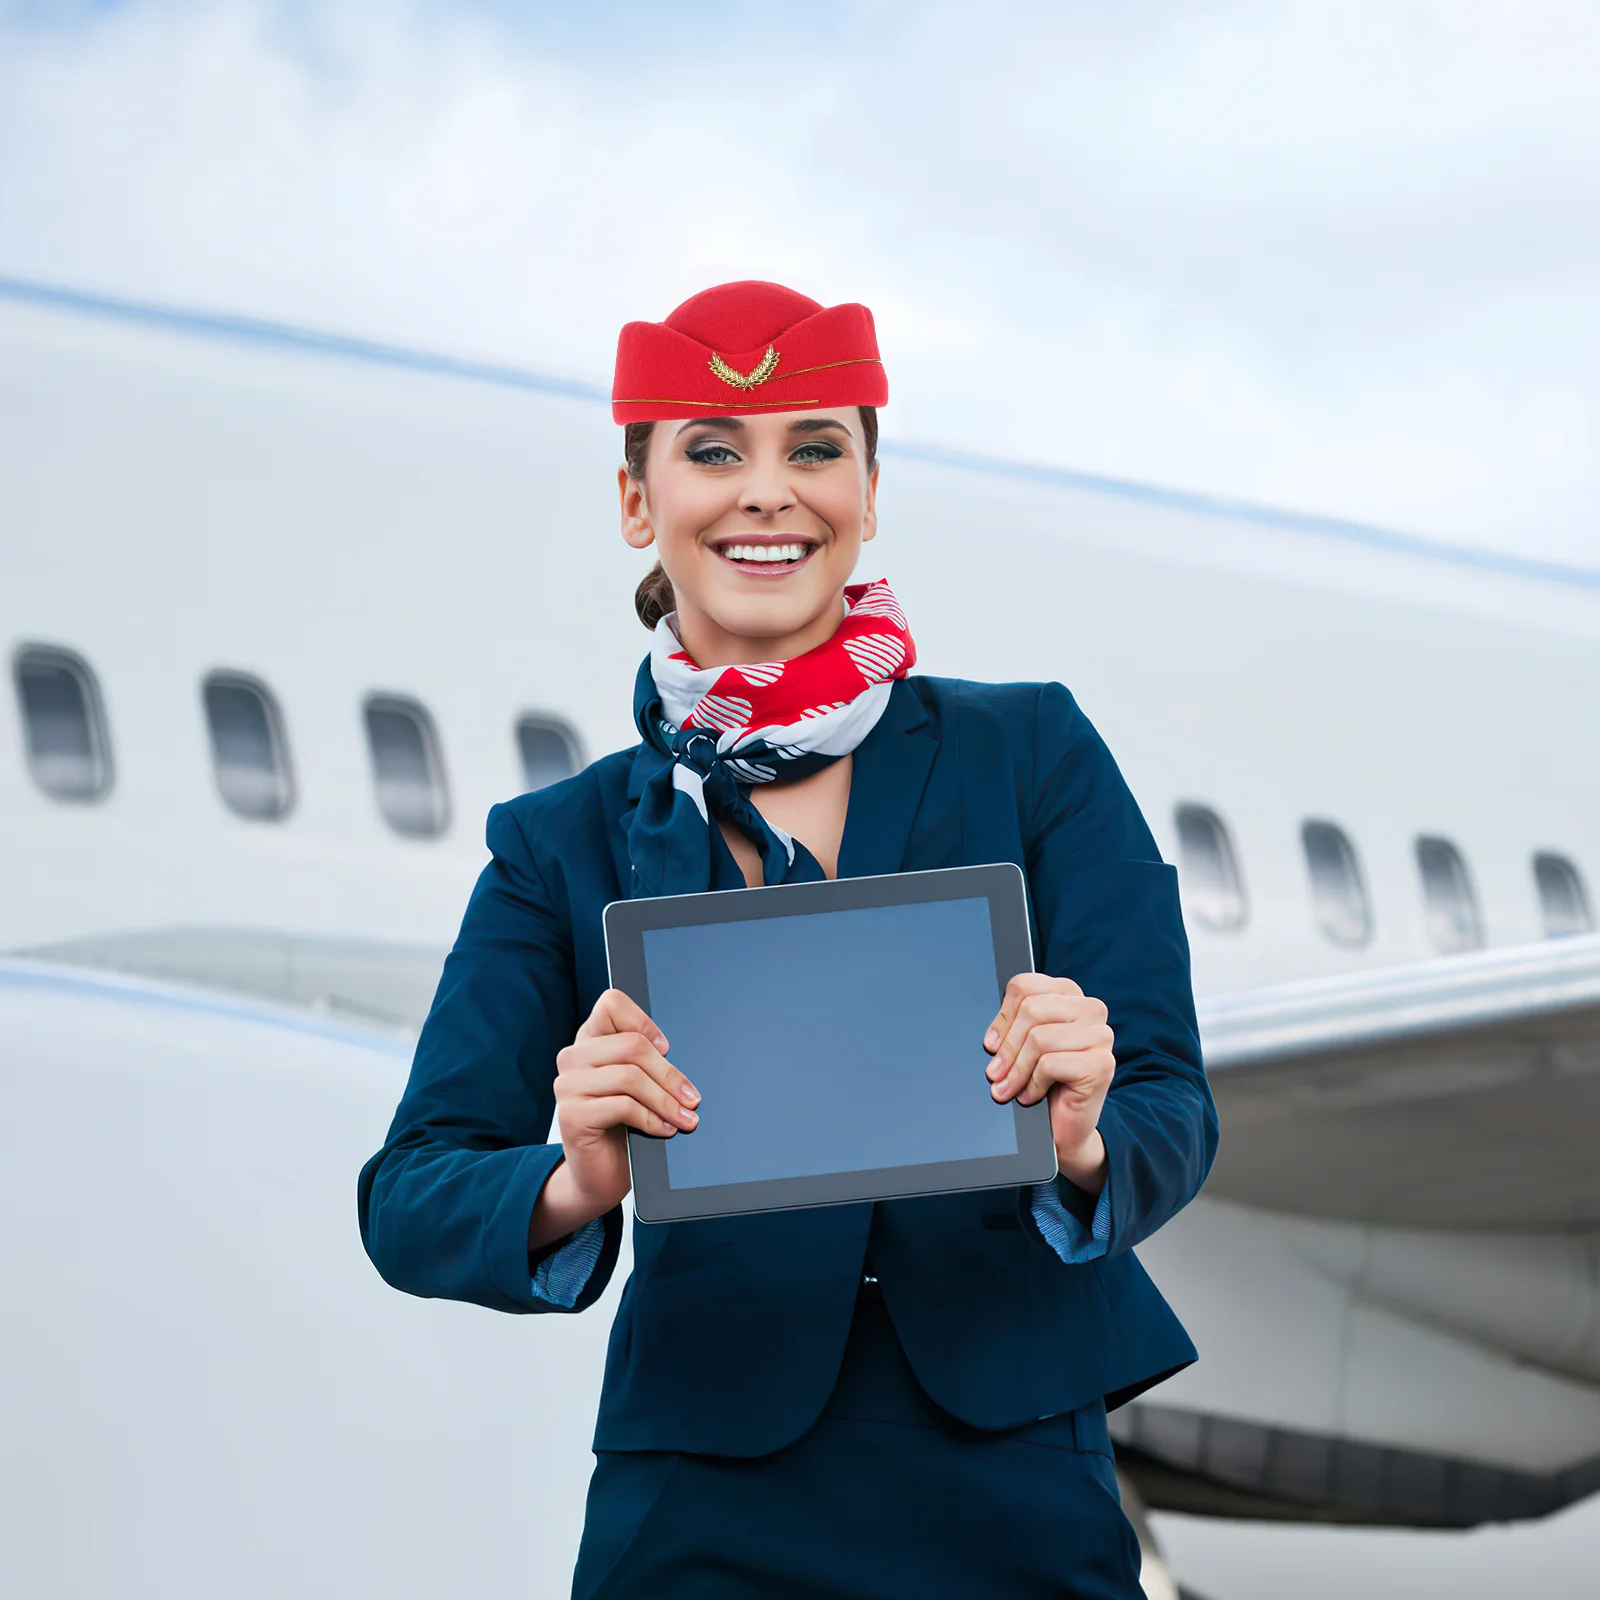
766	491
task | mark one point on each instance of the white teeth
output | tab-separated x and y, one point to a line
764	552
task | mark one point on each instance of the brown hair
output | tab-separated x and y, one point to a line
654	598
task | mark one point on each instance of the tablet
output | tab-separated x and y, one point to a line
835	1033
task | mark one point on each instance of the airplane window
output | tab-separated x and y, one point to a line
1562	897
407	769
1338	894
549	751
248	752
69	753
1212	888
1451	905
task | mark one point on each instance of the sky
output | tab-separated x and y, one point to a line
1340	257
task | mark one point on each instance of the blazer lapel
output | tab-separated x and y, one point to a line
887	777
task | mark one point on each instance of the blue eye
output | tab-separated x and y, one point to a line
711	455
817	450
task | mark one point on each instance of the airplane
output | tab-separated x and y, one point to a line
285	612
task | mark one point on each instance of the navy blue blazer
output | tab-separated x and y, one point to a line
730	1331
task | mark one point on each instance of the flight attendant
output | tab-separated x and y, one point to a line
863	1400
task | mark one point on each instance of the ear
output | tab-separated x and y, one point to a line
636	527
869	512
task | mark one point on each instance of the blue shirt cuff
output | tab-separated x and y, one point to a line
564	1274
1064	1233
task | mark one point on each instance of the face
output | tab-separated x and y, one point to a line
758	522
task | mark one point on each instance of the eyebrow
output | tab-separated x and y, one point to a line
733	424
817	425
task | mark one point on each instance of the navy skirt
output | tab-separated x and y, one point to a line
885	1496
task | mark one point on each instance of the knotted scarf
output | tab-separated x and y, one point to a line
711	734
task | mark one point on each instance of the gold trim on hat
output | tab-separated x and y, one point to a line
754	378
723	405
852	361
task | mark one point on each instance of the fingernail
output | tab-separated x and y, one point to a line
661	1044
691	1118
996	1069
689	1094
991	1039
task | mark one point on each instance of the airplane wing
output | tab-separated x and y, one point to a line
1391	1273
1459	1093
383	983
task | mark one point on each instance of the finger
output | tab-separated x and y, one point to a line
615	1012
647	1054
1066	1034
1079	1034
619	1049
629	1078
1083	1076
623	1111
1017	990
1055	1004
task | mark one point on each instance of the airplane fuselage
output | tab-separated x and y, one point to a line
1364	752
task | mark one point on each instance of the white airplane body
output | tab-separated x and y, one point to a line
204	1019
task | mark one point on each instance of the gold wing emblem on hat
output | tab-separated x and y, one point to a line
754	378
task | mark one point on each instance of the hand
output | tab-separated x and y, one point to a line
612	1077
1050	1038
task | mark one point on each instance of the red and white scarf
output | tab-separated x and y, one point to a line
764	714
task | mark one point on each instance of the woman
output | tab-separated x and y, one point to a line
856	1400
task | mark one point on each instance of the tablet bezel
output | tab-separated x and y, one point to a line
1002	885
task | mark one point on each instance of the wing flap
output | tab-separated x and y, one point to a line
1453	1093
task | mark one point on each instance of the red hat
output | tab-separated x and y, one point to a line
745	348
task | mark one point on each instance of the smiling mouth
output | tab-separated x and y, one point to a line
768	558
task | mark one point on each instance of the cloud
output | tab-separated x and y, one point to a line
1344	258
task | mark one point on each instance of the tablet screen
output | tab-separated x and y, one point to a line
831	1042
